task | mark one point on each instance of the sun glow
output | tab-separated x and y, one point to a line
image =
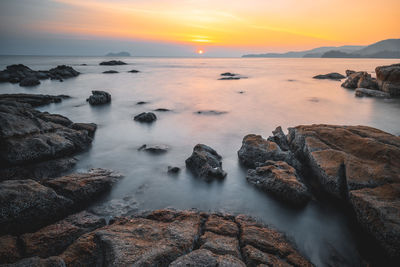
200	51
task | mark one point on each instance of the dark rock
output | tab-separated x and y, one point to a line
141	103
205	258
368	92
29	81
145	117
30	137
63	72
221	225
241	92
89	127
349	72
352	80
389	79
84	187
228	74
162	110
211	112
133	71
205	162
331	76
220	244
156	149
99	98
55	238
280	138
367	82
110	71
27	205
112	63
377	210
173	169
281	180
230	78
256	150
34	100
9	249
38	262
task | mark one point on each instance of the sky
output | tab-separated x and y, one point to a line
183	27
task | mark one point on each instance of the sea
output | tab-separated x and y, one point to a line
275	92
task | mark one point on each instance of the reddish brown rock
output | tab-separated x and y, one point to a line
255	257
378	211
352	80
280	179
221	225
55	238
206	258
219	244
9	251
38	262
389	79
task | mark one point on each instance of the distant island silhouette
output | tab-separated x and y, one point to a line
118	54
389	48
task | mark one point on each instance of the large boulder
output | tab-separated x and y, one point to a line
280	180
205	162
331	76
176	238
378	211
62	72
30	139
389	79
147	117
352	80
99	98
256	150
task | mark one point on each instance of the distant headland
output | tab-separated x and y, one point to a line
389	48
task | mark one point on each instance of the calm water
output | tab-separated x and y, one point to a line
277	92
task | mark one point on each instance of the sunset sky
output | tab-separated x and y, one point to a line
170	27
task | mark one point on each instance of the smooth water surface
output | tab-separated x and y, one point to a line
277	92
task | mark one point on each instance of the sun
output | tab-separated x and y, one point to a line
200	51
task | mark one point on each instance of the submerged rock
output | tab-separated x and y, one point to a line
133	71
389	79
162	110
110	71
281	180
35	100
256	150
230	78
156	149
331	76
145	117
229	74
205	162
36	144
112	63
172	169
368	92
211	112
141	103
99	98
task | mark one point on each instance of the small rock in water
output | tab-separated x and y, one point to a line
110	71
145	117
162	110
99	98
241	92
230	78
205	162
228	74
332	76
141	103
156	149
173	169
210	112
112	63
133	71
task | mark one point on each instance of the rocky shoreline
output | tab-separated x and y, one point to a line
45	220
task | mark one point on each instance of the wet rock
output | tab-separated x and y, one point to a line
155	149
63	72
331	76
29	81
173	169
89	127
99	98
84	187
389	79
141	103
229	74
256	149
205	162
9	249
133	71
280	138
221	225
205	258
377	210
35	100
110	71
55	238
112	63
367	82
116	207
349	72
255	257
145	117
346	158
230	78
27	205
31	137
281	180
219	244
38	262
352	80
360	92
211	112
162	110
